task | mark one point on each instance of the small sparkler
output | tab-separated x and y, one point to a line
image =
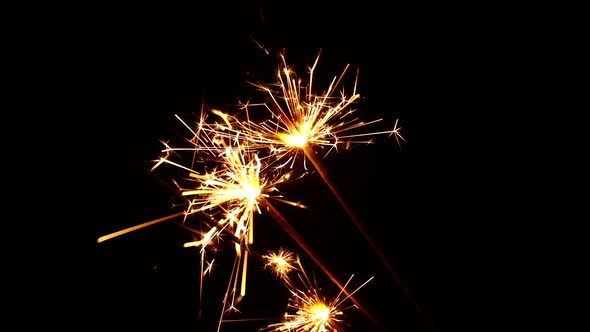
309	309
301	119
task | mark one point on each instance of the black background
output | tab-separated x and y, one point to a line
472	211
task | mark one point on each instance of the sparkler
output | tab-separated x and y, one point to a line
227	190
308	309
230	194
301	120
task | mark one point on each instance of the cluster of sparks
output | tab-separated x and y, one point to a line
233	165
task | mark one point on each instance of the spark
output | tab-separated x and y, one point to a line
281	262
209	267
137	227
232	194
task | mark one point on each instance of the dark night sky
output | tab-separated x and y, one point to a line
464	210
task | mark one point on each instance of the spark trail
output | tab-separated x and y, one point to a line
294	234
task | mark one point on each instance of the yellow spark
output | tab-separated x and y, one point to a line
207	237
280	262
209	268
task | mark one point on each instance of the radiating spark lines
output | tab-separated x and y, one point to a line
309	309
